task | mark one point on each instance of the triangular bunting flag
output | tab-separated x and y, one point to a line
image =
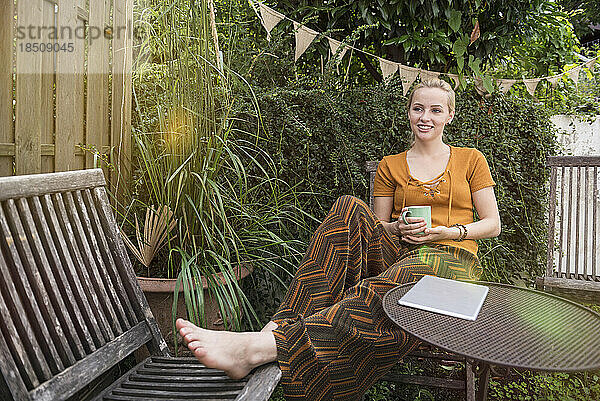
388	68
531	85
505	84
590	64
428	74
334	45
270	18
478	81
304	37
553	79
408	75
574	74
456	80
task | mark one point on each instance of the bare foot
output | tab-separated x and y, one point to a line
235	353
269	326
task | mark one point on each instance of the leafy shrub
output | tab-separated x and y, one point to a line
551	387
322	132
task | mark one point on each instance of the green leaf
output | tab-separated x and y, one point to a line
475	64
488	84
455	20
384	13
412	8
435	9
459	48
460	62
402	39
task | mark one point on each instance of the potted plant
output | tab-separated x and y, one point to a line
221	206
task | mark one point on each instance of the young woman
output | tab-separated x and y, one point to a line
330	336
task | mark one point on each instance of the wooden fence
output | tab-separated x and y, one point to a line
59	103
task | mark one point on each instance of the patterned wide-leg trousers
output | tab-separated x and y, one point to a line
333	337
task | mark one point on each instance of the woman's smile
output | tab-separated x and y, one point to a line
424	127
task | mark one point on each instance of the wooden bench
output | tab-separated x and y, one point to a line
573	258
71	307
426	352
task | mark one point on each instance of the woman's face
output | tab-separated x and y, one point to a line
429	113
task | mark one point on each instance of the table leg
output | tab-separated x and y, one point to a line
483	374
470	380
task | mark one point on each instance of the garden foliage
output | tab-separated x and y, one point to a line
461	36
322	132
194	158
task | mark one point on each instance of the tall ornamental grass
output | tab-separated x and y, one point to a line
229	206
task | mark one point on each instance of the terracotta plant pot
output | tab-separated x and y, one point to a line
159	293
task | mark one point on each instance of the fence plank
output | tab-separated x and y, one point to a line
66	86
121	92
47	122
97	88
28	94
79	158
6	84
107	135
59	104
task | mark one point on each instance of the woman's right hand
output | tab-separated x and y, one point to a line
416	225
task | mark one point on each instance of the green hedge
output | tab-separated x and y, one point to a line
321	132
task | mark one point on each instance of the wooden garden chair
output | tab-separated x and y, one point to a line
573	259
429	354
71	307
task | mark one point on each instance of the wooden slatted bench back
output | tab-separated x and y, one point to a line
573	259
69	302
371	168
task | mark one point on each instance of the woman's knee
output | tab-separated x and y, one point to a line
347	205
408	270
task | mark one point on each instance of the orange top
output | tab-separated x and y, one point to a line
449	194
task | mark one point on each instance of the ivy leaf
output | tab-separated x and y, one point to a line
454	20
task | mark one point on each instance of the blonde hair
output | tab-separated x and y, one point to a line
435	83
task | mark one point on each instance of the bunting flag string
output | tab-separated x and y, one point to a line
334	45
408	76
554	79
574	74
531	85
388	68
269	18
456	79
305	36
506	84
424	74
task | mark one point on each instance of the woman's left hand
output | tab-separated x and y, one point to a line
431	235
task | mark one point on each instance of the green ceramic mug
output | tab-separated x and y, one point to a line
417	211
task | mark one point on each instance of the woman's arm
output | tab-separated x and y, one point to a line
382	207
489	225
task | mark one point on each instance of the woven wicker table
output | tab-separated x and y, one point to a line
516	327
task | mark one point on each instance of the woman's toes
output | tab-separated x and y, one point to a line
200	352
193	345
